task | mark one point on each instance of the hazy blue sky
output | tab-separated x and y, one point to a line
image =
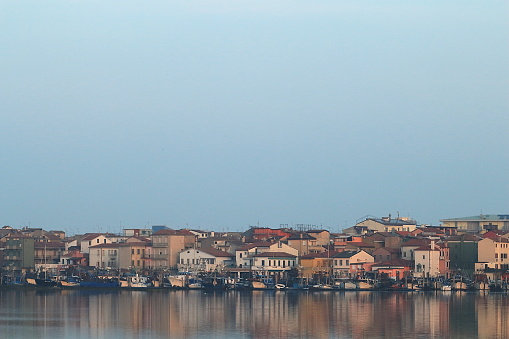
224	114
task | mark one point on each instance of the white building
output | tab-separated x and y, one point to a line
204	259
271	262
245	255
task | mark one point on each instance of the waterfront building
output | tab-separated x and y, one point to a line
394	269
493	254
345	263
316	264
104	255
167	244
206	259
432	260
463	252
245	255
48	253
273	262
135	254
19	253
479	223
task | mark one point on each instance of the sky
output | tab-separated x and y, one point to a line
221	115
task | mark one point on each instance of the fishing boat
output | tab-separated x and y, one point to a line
100	282
69	282
178	281
138	281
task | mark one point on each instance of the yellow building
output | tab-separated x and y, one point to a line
479	223
316	264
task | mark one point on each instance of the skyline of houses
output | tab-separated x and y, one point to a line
397	247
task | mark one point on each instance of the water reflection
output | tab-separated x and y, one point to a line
257	314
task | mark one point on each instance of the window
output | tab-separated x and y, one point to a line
347	262
138	251
240	255
263	262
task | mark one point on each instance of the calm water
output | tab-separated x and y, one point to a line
258	314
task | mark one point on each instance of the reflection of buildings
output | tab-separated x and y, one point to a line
492	315
256	314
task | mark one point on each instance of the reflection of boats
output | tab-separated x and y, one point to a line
446	288
353	285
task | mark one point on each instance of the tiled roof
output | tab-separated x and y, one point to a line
275	255
90	236
301	236
345	254
215	252
256	244
416	242
388	249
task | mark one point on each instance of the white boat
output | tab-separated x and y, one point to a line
136	281
177	281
